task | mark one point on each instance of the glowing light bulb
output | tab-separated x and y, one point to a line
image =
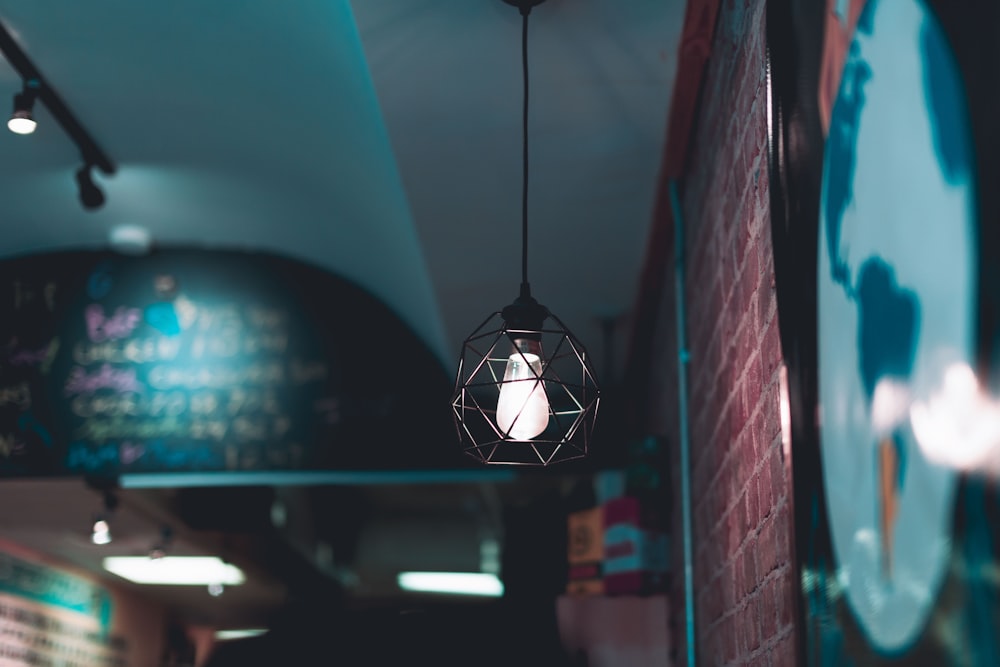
21	123
101	533
523	407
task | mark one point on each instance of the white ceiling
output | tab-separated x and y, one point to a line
448	78
381	140
378	138
250	124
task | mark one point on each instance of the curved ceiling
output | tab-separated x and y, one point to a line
448	77
247	124
381	141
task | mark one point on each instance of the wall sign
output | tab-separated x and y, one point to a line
190	360
882	153
49	617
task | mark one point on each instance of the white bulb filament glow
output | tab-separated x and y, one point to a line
523	407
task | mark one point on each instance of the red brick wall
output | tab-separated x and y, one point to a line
744	572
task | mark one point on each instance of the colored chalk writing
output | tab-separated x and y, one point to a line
197	360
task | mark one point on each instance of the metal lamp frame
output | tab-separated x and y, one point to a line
566	376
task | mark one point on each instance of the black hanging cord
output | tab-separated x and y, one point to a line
525	289
525	312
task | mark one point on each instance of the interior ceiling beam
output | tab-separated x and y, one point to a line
19	60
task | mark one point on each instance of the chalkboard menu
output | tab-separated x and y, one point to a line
205	360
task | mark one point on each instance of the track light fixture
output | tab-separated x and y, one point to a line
91	196
22	121
100	532
159	549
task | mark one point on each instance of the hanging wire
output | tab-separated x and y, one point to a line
524	132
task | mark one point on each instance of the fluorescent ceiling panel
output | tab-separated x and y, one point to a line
175	570
455	583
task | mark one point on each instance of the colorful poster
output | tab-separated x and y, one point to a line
885	282
49	617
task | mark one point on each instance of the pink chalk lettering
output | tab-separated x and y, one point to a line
107	377
130	453
119	325
29	357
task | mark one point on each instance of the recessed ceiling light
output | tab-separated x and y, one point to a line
130	239
455	583
175	570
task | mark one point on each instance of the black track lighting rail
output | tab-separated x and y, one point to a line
92	154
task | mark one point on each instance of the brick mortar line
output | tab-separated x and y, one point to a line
731	558
774	575
730	452
772	642
781	501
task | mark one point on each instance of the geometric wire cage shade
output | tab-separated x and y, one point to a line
524	394
553	362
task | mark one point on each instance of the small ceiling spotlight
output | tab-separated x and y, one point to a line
90	195
21	120
100	532
159	550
